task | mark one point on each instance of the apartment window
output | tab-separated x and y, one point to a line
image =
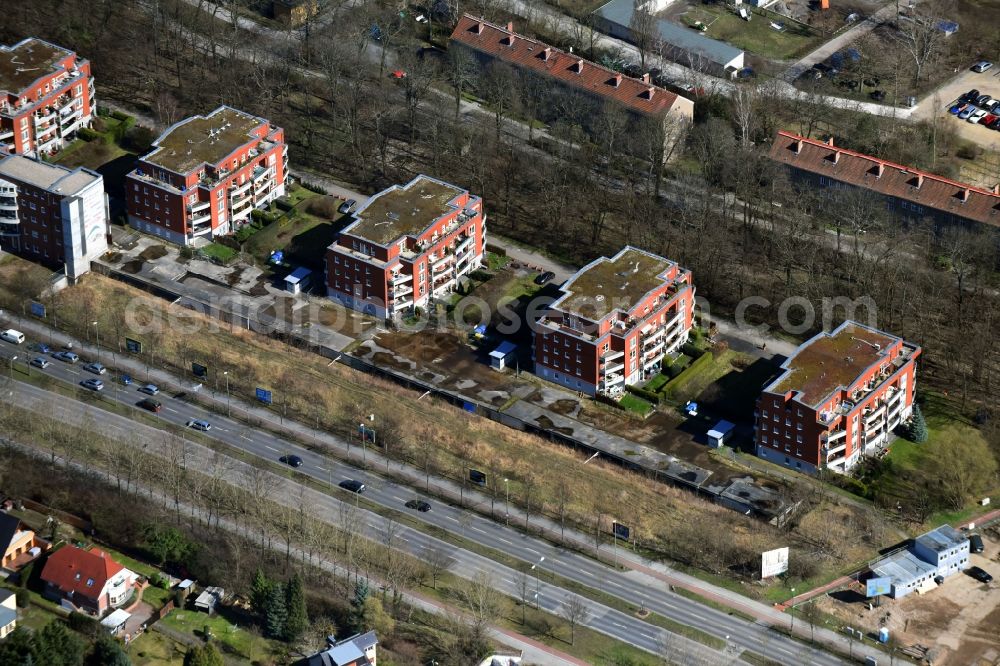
788	447
156	206
798	439
765	414
24	122
776	431
545	360
788	421
776	418
156	194
798	426
336	259
145	191
764	439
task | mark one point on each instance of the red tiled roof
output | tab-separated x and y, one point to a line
903	182
69	569
526	53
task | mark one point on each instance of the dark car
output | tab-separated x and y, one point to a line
982	100
878	95
42	348
353	485
976	543
979	574
150	404
419	505
293	461
971	96
347	206
544	277
40	363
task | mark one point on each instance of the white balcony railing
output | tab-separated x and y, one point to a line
237	190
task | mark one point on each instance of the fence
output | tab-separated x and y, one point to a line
85	525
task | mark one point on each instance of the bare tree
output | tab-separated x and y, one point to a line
438	562
643	28
919	35
575	610
484	602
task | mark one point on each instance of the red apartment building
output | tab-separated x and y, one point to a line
52	214
909	194
46	95
840	396
205	175
614	321
405	246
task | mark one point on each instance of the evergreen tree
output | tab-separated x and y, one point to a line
108	652
297	620
260	593
918	426
16	649
204	655
55	645
275	613
358	604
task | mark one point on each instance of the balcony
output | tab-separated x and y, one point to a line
6	134
201	205
10	229
50	143
612	381
652	351
42	117
442	265
397	278
195	220
74	114
260	172
238	190
611	368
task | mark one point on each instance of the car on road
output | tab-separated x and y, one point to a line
979	574
347	206
982	66
199	424
976	543
66	356
544	277
41	348
40	362
967	111
149	389
353	485
976	116
957	108
419	505
150	404
12	336
292	461
93	384
95	368
125	380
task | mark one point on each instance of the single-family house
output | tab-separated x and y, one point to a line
20	544
8	612
358	650
87	580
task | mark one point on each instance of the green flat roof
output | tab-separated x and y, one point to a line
608	284
203	139
831	360
27	61
403	210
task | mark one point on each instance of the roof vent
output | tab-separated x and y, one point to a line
797	146
546	52
829	141
478	28
510	26
617	80
577	66
964	195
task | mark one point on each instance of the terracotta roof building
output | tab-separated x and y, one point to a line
87	579
839	397
491	42
910	193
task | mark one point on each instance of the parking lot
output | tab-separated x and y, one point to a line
987	83
958	619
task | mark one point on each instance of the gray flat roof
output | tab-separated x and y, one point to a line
404	210
904	567
208	139
52	177
620	12
27	61
943	538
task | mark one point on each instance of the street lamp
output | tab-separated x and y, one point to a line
229	406
534	567
506	506
12	359
97	334
791	610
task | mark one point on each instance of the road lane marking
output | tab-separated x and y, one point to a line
272	448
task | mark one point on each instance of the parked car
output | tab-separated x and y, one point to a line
993	106
957	108
982	100
353	485
976	543
199	424
544	277
982	66
66	356
877	95
971	96
967	111
419	505
40	362
987	119
93	384
995	125
149	389
150	404
979	574
293	461
976	116
347	206
95	368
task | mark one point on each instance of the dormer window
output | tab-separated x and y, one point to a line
90	582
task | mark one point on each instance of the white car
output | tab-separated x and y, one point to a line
982	66
976	116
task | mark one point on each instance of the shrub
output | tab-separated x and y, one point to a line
318	189
323	207
692	350
967	151
284	204
139	139
98	125
187	252
88	134
23	598
84	624
244	233
121	115
644	394
674	370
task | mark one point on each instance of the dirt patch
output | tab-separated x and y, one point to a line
113	257
133	266
564	407
258	289
153	252
235	275
387	360
545	422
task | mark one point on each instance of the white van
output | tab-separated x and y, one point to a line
10	335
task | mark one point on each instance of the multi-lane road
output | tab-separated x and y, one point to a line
631	586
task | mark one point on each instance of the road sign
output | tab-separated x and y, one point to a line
469	406
774	562
264	395
133	346
199	370
878	586
477	477
37	309
621	531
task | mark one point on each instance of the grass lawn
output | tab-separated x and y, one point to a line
495	261
304	239
233	640
756	36
39	613
656	383
223	253
90	154
634	403
154	649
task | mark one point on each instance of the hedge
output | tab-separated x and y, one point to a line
127	123
645	394
692	350
121	115
283	204
88	134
